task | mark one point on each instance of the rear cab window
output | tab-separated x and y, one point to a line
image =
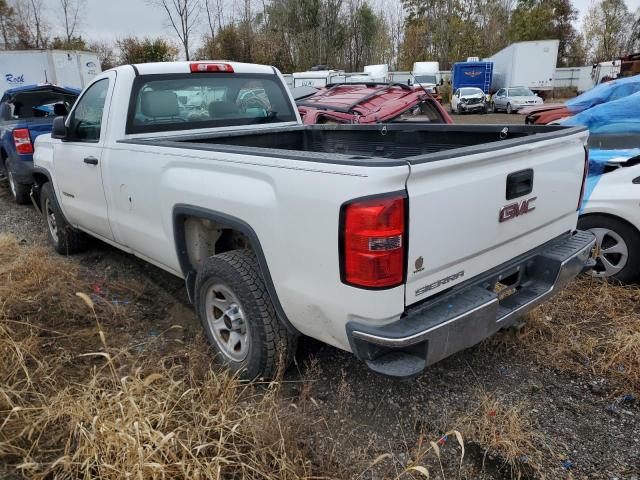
204	100
37	104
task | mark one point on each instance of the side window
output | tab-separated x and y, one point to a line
500	92
86	120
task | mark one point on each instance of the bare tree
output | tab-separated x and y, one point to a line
182	16
71	16
215	15
31	29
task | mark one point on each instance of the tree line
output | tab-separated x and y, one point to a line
295	35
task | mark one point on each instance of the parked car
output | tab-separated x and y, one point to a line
365	103
384	240
26	113
469	99
610	211
603	93
513	99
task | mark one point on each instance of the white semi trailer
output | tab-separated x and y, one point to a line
70	68
525	64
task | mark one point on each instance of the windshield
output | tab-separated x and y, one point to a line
426	79
520	92
470	91
203	100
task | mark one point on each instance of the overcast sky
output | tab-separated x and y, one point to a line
111	19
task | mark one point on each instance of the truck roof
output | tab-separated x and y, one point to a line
40	86
185	67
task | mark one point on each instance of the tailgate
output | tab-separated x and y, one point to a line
461	223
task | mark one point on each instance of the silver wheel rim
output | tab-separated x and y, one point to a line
51	220
612	253
12	184
226	319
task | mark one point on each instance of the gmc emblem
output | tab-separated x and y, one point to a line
514	210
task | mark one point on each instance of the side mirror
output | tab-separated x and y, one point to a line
59	129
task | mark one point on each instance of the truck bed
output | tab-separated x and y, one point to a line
381	145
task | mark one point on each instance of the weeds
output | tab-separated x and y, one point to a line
591	325
504	431
77	401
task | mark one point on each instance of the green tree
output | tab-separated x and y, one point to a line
545	20
136	50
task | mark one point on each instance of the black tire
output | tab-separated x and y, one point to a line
66	240
630	236
269	344
509	110
19	191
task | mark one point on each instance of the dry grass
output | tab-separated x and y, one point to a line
506	432
78	401
592	325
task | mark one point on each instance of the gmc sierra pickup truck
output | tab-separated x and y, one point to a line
402	243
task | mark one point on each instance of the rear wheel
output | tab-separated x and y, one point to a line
617	247
66	240
238	317
19	191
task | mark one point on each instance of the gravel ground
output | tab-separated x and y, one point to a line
571	412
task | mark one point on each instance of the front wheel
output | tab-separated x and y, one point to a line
617	247
66	240
238	317
509	109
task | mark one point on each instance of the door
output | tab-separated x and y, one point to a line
77	160
499	101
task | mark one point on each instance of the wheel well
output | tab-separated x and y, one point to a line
40	178
613	217
204	238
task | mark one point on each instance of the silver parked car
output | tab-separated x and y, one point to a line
513	99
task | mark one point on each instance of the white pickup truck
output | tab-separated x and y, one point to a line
389	241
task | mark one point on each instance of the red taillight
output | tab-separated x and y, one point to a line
374	242
211	67
585	174
22	140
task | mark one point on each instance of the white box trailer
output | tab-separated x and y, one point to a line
574	77
69	68
525	64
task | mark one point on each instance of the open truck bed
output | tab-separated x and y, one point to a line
381	145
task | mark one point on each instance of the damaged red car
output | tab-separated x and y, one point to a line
368	103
